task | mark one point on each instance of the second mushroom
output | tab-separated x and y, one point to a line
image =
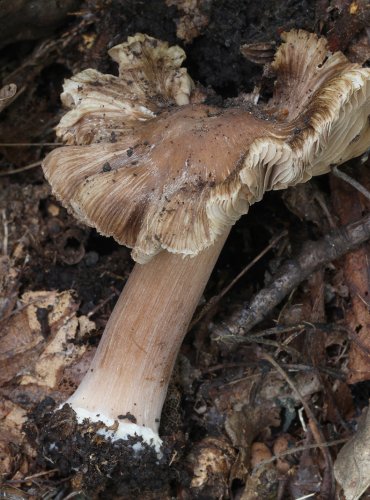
150	163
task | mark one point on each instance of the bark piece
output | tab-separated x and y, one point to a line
349	204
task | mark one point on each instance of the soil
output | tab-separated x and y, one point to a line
113	468
217	389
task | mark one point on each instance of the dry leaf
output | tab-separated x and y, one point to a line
12	417
262	483
7	94
350	205
59	350
352	467
9	283
37	343
242	427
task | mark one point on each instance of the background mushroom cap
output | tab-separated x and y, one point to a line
157	172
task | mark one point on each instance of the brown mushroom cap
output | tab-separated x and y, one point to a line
157	172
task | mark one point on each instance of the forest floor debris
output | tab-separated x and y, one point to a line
263	417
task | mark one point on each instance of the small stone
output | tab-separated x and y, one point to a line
91	258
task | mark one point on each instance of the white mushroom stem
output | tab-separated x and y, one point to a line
133	364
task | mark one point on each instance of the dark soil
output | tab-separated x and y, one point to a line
97	464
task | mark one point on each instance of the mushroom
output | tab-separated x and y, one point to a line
150	163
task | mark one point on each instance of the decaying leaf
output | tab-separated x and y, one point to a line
9	283
7	94
242	427
210	460
272	391
37	343
352	467
12	417
262	483
306	479
250	414
37	352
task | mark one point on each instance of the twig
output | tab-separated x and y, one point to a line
113	275
101	304
314	254
21	169
6	232
310	495
72	495
288	366
321	201
39	474
295	389
313	423
30	478
293	352
351	181
25	144
301	419
298	449
19	309
279	329
216	298
328	371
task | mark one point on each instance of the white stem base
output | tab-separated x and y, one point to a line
123	431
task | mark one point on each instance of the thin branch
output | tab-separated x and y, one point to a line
26	144
295	389
305	497
20	309
216	298
102	304
21	169
350	180
298	449
30	478
288	366
73	494
313	255
6	232
313	423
